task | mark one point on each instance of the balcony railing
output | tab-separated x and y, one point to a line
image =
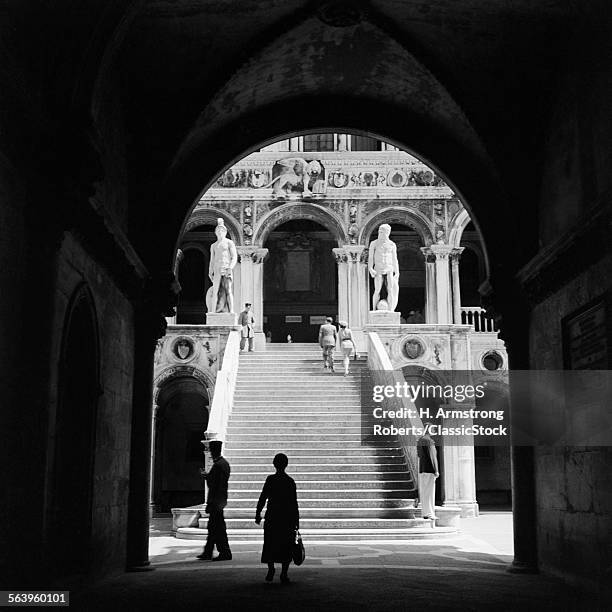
478	318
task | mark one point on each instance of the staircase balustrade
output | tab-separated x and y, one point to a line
225	385
383	373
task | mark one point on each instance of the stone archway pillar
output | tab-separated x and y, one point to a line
149	326
431	311
153	489
353	294
249	287
438	304
454	257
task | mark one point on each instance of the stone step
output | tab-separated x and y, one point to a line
294	418
313	536
331	523
325	513
290	447
316	462
273	439
372	475
290	388
365	505
274	414
371	483
299	453
298	466
338	492
277	429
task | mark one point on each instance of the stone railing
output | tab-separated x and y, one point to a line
382	373
225	384
478	318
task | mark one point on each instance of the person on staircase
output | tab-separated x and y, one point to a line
347	344
246	320
282	518
216	479
327	342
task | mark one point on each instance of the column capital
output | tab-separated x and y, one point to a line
254	253
455	254
441	251
351	253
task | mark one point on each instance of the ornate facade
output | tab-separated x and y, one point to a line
302	222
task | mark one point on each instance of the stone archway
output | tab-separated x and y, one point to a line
300	280
303	210
70	516
404	215
180	417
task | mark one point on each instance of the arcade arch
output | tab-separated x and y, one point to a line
300	285
181	415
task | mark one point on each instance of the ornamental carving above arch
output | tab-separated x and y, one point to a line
179	371
314	212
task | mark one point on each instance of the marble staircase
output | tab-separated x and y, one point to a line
286	402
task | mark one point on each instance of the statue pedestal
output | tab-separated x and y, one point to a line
220	319
383	317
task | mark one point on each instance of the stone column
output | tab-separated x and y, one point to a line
342	258
439	254
149	327
454	257
459	475
353	289
251	287
342	140
431	312
153	492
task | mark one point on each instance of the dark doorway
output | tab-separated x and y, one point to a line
72	491
182	418
300	281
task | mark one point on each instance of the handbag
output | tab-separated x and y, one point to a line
297	551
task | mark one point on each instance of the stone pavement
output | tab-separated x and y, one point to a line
466	572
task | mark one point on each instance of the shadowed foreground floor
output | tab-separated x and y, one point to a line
467	572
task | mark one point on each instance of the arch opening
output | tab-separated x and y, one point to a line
72	489
181	416
300	280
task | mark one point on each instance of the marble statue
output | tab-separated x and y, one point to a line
290	172
384	269
223	259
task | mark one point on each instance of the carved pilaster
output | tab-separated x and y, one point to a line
438	304
455	256
352	284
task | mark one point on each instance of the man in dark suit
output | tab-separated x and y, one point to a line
217	479
246	320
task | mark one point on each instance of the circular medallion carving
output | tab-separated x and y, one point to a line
492	361
183	348
397	178
413	348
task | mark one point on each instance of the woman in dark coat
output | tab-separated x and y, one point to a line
282	518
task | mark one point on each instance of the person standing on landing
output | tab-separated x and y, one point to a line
246	320
428	473
347	344
327	342
217	479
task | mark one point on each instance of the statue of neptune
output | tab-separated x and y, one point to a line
384	267
223	258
